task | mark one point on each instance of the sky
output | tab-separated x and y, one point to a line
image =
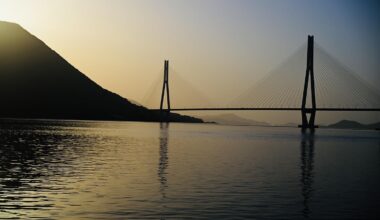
221	46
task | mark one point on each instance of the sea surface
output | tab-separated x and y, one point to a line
131	170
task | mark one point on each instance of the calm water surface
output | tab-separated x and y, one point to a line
131	170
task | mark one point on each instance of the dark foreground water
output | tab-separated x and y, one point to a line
128	170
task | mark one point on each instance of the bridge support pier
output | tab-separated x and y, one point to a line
309	123
165	87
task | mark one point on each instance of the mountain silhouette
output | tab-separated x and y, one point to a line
36	82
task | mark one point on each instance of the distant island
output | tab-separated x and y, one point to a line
232	119
346	124
36	82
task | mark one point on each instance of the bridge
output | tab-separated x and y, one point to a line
337	84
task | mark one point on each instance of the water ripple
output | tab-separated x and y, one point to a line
117	170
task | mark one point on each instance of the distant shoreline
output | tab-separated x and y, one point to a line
177	122
95	120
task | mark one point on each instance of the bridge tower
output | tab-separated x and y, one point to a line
165	87
309	122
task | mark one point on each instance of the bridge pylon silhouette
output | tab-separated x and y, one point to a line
165	87
309	76
331	75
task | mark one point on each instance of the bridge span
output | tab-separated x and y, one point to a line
308	107
274	109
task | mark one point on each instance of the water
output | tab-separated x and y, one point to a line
132	170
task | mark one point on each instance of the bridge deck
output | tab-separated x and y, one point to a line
273	109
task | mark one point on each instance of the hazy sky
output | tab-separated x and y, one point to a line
121	44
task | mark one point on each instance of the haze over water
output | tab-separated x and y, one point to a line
130	170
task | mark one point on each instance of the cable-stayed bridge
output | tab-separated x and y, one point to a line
321	83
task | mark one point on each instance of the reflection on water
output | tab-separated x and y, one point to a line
307	163
163	160
120	170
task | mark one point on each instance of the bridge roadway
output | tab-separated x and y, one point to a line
274	109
